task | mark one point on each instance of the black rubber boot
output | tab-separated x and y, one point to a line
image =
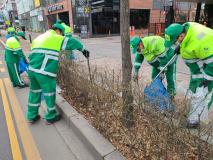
52	121
37	118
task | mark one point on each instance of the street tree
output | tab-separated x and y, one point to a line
126	64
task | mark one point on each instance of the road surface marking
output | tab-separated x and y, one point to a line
2	69
29	145
16	153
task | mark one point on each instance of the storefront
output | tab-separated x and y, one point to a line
105	17
60	11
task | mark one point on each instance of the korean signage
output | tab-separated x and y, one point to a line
55	8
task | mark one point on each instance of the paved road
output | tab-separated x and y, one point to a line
22	141
5	152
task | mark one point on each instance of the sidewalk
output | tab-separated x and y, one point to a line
72	138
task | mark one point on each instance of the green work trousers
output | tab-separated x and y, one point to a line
200	70
170	76
41	83
14	74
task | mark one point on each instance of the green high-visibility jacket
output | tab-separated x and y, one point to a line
45	50
11	29
198	42
154	50
13	51
68	30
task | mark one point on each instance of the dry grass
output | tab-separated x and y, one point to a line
154	136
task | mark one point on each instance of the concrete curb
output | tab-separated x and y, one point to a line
99	146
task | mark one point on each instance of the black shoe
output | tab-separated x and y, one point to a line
193	125
37	118
51	121
22	86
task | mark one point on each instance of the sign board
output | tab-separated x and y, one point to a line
83	31
37	3
7	22
55	8
33	13
40	18
80	10
87	10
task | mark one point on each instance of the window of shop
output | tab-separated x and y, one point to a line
105	22
139	18
64	16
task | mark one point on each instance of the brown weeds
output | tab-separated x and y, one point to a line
154	136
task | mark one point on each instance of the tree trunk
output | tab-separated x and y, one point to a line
197	16
126	64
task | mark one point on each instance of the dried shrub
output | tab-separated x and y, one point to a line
154	135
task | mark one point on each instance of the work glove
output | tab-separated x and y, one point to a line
135	77
205	83
86	53
177	49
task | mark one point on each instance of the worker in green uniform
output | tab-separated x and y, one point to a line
68	29
152	48
67	33
10	32
13	54
197	51
43	67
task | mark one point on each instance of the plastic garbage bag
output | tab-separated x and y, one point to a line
23	66
199	106
157	95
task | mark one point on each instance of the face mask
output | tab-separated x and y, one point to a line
140	51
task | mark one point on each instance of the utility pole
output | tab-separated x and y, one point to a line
126	64
197	17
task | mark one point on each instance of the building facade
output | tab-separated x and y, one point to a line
9	10
31	14
103	16
59	9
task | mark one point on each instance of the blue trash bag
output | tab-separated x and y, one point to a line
23	66
8	36
157	95
42	97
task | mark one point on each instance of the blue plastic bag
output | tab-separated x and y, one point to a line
8	36
157	95
23	66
